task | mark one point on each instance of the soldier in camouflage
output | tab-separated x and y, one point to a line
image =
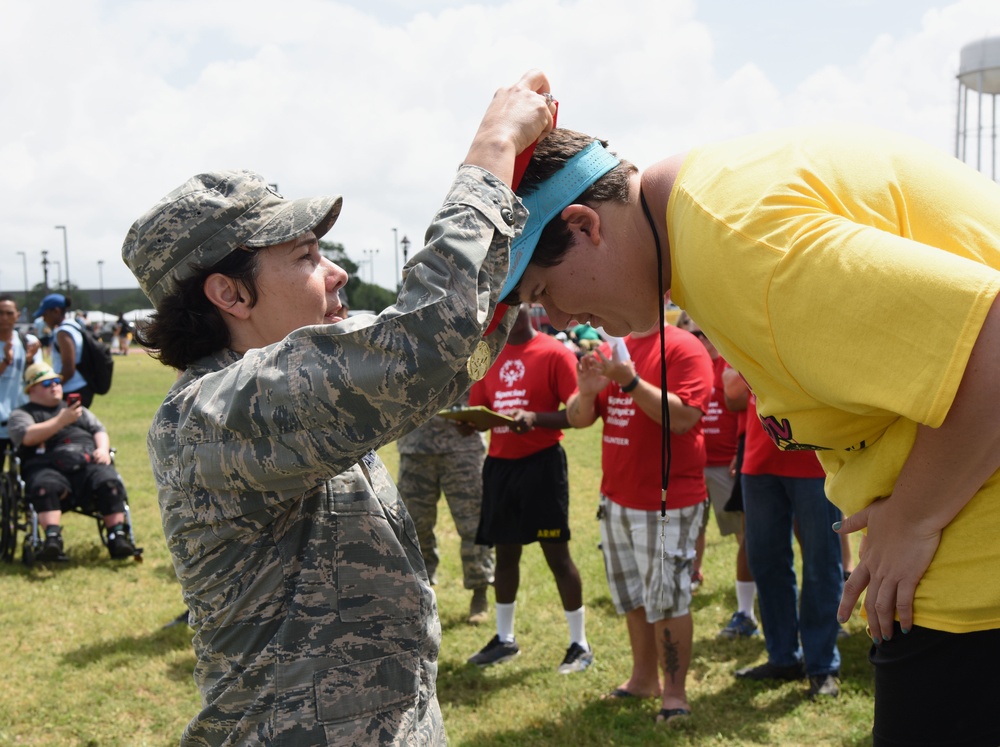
444	457
314	621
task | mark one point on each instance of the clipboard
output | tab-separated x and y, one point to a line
481	417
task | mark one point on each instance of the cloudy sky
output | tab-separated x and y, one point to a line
109	104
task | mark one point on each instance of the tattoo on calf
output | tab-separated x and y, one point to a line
671	656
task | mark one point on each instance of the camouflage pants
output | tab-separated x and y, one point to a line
459	475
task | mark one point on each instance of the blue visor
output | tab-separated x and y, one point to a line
551	198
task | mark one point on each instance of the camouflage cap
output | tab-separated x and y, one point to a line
209	217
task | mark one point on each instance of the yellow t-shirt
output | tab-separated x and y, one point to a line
846	274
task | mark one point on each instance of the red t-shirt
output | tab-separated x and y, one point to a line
762	457
631	453
539	376
720	424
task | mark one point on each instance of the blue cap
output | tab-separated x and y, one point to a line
51	301
551	198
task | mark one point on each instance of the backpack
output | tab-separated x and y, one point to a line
96	362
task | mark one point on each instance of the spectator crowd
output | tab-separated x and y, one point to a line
651	574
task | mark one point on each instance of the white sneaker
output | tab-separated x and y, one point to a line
577	659
495	652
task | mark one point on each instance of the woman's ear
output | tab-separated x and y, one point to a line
583	220
227	295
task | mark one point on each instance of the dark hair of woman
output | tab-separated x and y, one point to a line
188	326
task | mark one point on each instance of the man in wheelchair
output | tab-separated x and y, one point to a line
66	463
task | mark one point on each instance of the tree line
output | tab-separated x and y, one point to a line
360	295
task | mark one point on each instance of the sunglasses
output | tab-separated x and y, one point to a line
50	383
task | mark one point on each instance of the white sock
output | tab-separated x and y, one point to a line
746	592
577	629
505	622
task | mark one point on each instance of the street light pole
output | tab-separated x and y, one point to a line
100	277
24	259
406	248
65	253
371	263
395	241
45	271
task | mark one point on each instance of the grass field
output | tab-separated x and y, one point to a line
89	663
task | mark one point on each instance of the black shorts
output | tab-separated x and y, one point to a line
525	500
936	688
95	487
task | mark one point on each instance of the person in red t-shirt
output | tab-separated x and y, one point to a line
650	577
721	426
782	489
526	485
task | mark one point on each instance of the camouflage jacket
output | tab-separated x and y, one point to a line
441	436
314	620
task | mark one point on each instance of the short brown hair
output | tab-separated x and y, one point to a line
550	155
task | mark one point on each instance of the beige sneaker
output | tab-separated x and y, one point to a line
479	608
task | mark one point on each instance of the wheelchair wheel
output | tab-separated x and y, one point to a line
8	532
28	553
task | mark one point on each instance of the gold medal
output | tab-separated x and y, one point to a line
479	362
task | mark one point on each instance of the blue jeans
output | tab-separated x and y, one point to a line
771	504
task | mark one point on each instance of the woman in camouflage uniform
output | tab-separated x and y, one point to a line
314	619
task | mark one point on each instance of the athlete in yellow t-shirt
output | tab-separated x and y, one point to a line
850	275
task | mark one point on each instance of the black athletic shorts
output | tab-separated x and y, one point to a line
85	488
525	500
937	688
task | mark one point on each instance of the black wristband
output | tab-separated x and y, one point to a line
631	385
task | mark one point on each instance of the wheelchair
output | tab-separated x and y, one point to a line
20	516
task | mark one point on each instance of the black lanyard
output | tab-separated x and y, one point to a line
664	406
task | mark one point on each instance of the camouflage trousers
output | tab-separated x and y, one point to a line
459	475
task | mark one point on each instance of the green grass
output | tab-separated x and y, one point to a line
88	663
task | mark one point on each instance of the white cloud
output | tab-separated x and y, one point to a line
108	105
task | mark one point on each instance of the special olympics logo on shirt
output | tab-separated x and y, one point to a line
511	372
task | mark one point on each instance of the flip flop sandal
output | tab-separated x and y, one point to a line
619	693
668	715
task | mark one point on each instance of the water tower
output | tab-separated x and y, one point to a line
979	74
